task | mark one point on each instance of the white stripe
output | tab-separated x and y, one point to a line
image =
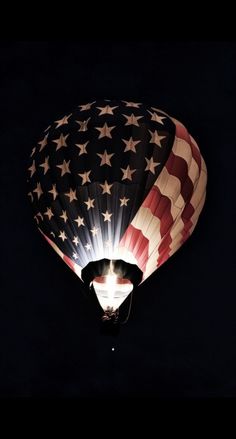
170	186
78	270
200	189
176	230
123	253
176	243
183	149
197	212
149	225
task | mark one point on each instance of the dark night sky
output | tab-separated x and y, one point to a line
181	337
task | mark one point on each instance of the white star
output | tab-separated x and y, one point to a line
151	165
62	121
71	195
94	230
79	221
31	196
132	104
40	215
61	141
155	138
159	111
82	147
107	216
64	168
88	246
130	144
49	213
132	120
124	201
105	131
64	216
32	169
76	240
106	110
83	124
75	256
105	158
86	106
38	190
33	151
156	117
89	203
85	177
53	191
106	188
43	143
45	165
127	173
62	235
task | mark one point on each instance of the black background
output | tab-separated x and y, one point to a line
180	338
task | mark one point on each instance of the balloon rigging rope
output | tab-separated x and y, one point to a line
129	310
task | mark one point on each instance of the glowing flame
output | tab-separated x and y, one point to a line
111	290
111	283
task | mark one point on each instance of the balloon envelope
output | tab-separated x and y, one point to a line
116	187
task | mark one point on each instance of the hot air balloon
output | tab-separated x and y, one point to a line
116	188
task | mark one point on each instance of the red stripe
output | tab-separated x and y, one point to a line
185	233
186	217
69	262
160	206
163	258
187	212
134	241
164	248
119	280
66	259
165	244
178	167
48	240
182	133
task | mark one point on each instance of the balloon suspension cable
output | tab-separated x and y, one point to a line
84	291
129	310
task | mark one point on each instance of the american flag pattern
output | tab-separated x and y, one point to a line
116	180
